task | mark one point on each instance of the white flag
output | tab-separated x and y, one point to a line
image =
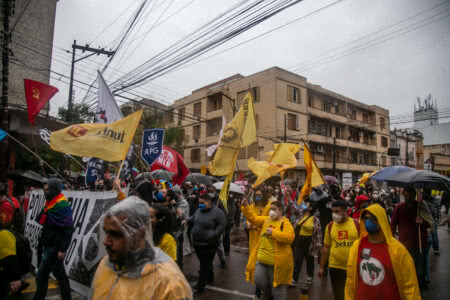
107	109
211	149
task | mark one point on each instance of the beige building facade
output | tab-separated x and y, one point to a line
287	108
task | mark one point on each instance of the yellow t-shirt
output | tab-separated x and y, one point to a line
7	244
342	237
307	227
266	251
169	246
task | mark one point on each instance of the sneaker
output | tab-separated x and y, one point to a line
309	280
294	283
437	253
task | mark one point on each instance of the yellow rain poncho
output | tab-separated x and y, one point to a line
255	232
402	262
283	238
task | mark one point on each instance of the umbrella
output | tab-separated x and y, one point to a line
420	179
233	187
197	178
287	181
387	172
157	174
331	180
19	174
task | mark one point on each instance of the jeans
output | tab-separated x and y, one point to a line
180	241
338	278
221	252
434	237
51	264
226	239
419	263
264	282
205	255
301	251
426	266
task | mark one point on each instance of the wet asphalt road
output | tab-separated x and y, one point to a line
230	282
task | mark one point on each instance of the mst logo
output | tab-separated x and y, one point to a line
76	131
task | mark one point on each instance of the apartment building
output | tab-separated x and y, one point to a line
411	149
287	108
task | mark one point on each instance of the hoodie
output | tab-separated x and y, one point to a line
402	262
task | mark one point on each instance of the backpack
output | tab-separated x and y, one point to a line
23	252
330	225
18	216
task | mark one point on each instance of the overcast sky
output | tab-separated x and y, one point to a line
390	74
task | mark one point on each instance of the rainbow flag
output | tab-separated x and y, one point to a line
57	212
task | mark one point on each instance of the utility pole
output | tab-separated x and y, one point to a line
7	12
285	125
407	154
83	49
334	157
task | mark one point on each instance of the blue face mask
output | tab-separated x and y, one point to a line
195	188
371	227
202	206
257	198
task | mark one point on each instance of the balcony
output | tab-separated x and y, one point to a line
340	118
361	124
368	147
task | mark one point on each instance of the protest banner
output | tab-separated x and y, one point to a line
152	142
86	248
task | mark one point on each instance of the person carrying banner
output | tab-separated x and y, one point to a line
57	228
134	268
379	266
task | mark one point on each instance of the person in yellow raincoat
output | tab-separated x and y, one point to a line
271	263
133	268
379	266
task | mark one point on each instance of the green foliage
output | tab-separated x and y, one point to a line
27	161
80	113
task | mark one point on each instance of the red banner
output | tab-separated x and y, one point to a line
37	95
172	161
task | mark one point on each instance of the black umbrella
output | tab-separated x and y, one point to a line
420	179
197	178
156	174
19	174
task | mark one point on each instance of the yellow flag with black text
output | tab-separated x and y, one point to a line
313	175
109	142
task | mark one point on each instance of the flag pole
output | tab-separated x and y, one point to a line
419	231
28	149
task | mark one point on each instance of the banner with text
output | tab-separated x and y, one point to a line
152	142
85	250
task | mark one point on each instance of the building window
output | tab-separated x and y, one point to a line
198	109
292	122
382	123
353	115
255	93
195	155
336	108
241	95
326	105
366	118
384	141
311	100
196	132
338	132
293	94
213	127
214	102
181	113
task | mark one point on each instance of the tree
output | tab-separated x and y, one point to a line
80	113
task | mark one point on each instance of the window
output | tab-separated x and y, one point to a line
338	132
366	138
353	116
195	155
196	132
365	118
181	113
241	95
384	141
213	126
214	102
255	93
311	100
198	109
382	123
293	94
336	108
326	105
292	122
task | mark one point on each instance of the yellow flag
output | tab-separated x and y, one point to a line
313	175
281	159
249	134
223	196
109	142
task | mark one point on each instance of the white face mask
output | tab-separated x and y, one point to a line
273	215
375	196
337	217
357	190
348	198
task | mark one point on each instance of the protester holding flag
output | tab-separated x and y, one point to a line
271	261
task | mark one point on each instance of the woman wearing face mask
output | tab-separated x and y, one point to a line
376	199
307	243
208	226
271	264
162	230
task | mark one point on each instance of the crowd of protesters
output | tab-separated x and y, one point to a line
372	244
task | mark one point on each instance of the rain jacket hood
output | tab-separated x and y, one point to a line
402	262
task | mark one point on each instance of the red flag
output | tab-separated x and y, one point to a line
183	171
37	95
241	177
172	161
